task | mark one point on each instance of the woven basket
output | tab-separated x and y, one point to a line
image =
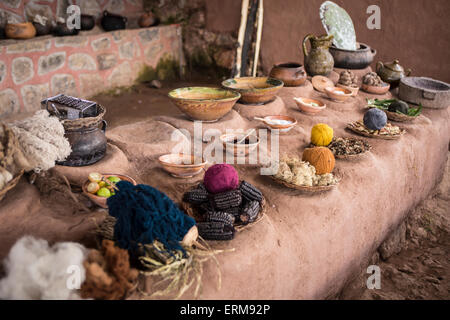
193	212
352	127
87	122
11	185
394	116
305	189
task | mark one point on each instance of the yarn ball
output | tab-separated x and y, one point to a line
321	135
221	178
375	119
321	158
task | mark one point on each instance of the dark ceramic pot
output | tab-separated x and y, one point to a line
392	72
111	22
62	30
353	59
87	22
20	30
292	74
42	30
2	33
88	145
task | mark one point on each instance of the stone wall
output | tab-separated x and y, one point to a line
80	65
23	10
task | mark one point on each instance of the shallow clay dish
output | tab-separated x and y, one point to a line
359	128
254	90
269	121
101	201
238	150
320	83
304	105
204	103
305	189
338	94
182	165
376	89
354	90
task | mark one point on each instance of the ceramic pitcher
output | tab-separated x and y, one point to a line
319	60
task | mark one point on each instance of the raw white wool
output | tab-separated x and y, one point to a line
34	270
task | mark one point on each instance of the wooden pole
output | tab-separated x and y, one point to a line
258	36
248	36
244	13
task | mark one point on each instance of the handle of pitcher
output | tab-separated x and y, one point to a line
305	51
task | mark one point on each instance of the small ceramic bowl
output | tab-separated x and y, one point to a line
238	150
354	90
101	201
338	94
305	105
182	165
204	103
376	89
254	90
282	123
321	82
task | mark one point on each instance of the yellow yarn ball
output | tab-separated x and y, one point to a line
321	135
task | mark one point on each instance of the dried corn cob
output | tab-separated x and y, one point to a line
250	192
198	195
250	212
220	216
227	199
215	230
234	211
218	236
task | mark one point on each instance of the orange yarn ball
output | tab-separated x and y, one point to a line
321	158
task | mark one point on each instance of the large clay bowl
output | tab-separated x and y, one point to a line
292	74
353	59
20	30
182	165
254	90
101	201
204	103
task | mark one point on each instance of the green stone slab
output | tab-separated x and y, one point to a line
337	22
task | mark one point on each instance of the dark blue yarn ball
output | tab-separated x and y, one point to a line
375	119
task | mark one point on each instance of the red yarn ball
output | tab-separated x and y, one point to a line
221	178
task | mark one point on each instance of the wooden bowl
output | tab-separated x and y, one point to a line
269	122
376	89
182	165
304	105
254	90
238	150
101	201
354	90
204	103
338	94
20	30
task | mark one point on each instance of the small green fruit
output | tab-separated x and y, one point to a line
114	179
104	192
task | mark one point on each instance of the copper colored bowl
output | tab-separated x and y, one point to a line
238	150
354	90
20	30
292	74
182	165
304	105
268	121
254	90
101	201
343	95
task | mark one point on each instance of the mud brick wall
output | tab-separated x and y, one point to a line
80	65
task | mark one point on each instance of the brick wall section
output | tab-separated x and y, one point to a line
80	65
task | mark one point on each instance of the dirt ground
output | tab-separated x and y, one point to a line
422	268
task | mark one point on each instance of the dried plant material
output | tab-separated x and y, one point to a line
389	131
348	146
348	78
373	79
108	273
301	173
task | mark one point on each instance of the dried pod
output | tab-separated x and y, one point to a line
229	199
250	192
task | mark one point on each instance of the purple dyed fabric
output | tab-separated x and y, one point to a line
220	178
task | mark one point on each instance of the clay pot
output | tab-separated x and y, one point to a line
319	60
111	22
428	92
61	30
87	22
350	59
20	30
254	90
42	30
392	72
292	74
147	19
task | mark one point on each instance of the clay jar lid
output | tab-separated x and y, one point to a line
320	83
394	66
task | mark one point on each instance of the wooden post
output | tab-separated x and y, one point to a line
258	36
244	13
